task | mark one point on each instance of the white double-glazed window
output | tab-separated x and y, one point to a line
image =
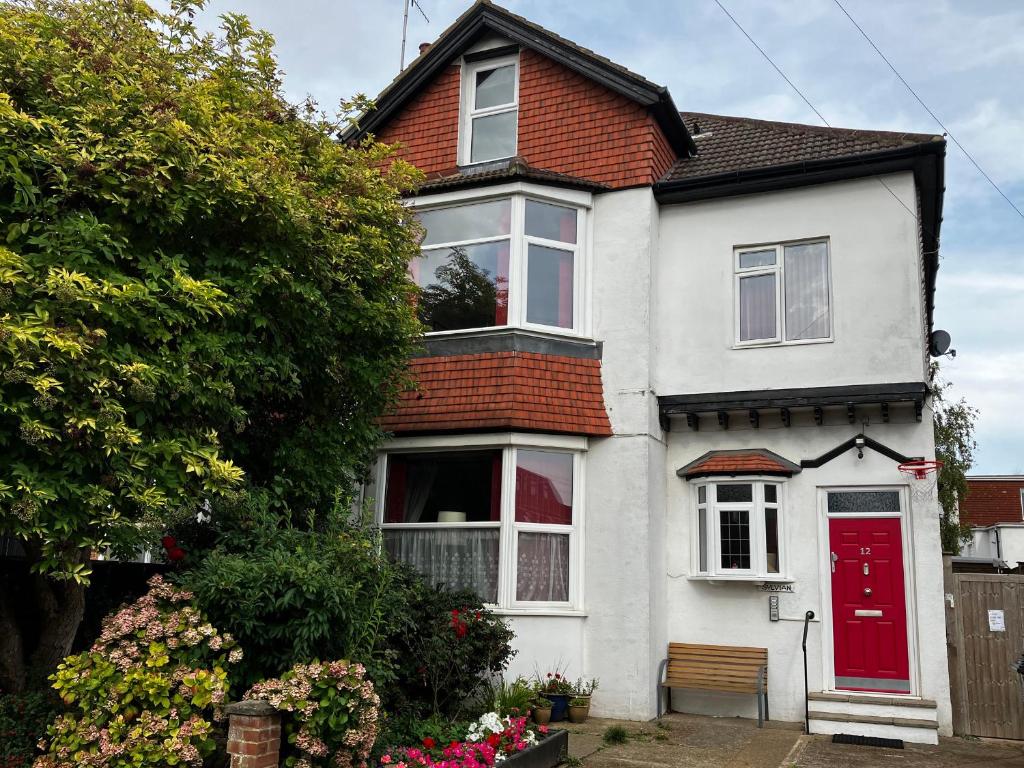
503	522
490	110
783	293
737	529
507	261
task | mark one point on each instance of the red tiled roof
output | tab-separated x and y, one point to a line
502	391
749	462
989	502
732	144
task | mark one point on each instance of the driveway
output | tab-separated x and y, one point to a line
693	741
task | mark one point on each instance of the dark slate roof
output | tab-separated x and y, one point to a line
727	145
502	171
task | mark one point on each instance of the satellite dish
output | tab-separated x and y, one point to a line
938	343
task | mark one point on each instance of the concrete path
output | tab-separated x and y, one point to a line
693	741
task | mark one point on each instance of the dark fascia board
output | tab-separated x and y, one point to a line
843	447
485	18
807	397
790	467
926	161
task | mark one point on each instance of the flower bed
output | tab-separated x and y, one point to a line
489	741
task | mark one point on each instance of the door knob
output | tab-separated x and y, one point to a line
867	591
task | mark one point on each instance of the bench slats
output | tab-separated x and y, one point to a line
733	650
732	669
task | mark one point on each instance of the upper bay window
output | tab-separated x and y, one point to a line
507	261
501	522
490	110
738	530
783	293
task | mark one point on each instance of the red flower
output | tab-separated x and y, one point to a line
557	676
478	615
549	674
168	542
460	631
494	739
542	728
175	554
453	745
429	743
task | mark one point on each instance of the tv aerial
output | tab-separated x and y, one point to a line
405	26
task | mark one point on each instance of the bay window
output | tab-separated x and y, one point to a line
501	522
508	261
738	530
783	293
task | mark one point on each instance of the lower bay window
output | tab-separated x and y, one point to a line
503	522
738	529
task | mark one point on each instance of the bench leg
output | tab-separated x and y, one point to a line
761	700
662	668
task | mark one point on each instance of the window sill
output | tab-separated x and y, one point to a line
762	344
566	612
745	579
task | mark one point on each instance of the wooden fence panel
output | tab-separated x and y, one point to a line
993	693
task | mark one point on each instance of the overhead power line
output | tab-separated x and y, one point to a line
928	109
808	101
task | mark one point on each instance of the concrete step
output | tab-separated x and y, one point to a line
876	706
918	730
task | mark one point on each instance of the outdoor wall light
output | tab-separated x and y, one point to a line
859	442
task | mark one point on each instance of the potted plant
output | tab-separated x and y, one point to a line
558	690
579	709
542	710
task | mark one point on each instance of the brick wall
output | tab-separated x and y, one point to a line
567	123
254	735
992	501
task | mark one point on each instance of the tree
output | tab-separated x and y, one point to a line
200	287
954	447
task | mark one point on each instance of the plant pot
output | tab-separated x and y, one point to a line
559	705
542	716
579	714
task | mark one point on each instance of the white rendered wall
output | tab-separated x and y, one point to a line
876	295
737	613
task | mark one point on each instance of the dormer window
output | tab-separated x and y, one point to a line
490	110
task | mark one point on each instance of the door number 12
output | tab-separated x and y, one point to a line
865	550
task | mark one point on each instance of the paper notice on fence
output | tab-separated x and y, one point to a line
996	622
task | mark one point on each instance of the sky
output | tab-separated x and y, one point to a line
965	58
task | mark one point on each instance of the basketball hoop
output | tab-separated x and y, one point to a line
922	475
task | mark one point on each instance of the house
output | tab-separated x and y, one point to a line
673	364
994	510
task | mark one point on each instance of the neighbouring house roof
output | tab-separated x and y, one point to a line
749	461
514	169
483	18
502	391
992	500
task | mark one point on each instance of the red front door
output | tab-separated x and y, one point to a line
869	609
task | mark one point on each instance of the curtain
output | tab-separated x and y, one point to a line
457	558
757	307
807	291
420	483
542	568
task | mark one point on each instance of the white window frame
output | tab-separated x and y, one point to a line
779	271
758	570
518	264
509	444
468	110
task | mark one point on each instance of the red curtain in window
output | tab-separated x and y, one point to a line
496	487
394	496
501	280
565	291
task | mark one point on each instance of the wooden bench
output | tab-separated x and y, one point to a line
728	668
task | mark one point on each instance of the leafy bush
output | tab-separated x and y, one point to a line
293	596
615	734
513	698
450	649
147	691
23	720
330	713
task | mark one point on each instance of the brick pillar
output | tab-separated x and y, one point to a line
254	734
